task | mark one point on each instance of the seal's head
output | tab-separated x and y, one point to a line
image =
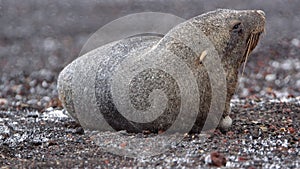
234	33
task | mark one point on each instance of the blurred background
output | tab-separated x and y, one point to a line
40	37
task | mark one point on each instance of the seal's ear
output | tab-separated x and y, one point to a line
236	26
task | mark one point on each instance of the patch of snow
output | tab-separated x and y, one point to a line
54	114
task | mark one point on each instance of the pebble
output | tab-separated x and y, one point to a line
50	44
295	42
44	84
287	65
215	159
3	101
32	101
298	83
33	114
270	77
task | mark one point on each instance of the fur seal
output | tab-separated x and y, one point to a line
233	33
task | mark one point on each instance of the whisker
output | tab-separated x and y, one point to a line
249	45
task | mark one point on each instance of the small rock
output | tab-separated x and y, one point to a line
50	44
44	84
295	42
282	129
263	128
291	130
32	101
298	83
146	132
123	145
79	130
287	65
270	77
275	64
241	158
33	114
3	101
215	159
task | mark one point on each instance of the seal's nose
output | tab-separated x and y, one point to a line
262	13
261	20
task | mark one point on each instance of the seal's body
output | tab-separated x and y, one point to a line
129	75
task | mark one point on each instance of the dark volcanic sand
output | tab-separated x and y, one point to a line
36	133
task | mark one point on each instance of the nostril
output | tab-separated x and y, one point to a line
261	13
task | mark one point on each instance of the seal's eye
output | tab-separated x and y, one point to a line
236	26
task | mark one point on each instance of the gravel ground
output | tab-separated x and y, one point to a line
265	133
35	132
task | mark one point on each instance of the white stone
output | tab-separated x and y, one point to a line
270	77
295	42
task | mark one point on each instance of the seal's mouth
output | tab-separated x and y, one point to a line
251	43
